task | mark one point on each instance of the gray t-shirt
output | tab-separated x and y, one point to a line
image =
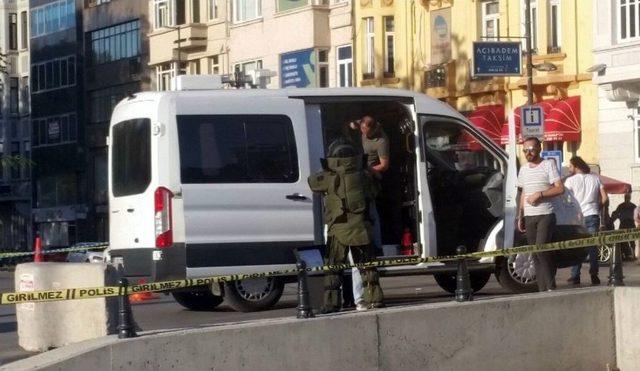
538	178
375	148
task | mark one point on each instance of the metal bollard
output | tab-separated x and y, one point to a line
463	284
304	305
126	327
615	269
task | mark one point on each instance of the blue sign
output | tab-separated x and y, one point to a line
532	122
497	58
556	156
298	69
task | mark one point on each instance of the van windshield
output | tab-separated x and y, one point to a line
131	157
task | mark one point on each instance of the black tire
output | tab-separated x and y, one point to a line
198	300
447	281
508	282
253	295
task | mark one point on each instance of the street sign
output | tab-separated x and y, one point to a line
497	58
556	156
532	118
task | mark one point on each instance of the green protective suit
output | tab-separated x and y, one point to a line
347	191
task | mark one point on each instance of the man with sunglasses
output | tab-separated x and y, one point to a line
538	182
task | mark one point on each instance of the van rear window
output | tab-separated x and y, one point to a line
131	157
237	149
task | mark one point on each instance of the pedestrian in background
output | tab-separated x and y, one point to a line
624	213
538	182
636	219
590	193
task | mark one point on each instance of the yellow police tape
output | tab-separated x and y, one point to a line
111	291
75	248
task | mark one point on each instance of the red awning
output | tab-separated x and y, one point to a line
613	186
563	122
487	119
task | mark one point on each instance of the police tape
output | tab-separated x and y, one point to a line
112	291
75	248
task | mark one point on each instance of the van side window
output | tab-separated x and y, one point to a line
131	157
237	149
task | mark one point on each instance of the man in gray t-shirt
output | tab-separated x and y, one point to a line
375	145
539	181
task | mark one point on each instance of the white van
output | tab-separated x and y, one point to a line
209	182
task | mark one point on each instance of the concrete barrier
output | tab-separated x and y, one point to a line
567	330
42	326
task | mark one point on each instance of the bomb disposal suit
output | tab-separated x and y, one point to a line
347	191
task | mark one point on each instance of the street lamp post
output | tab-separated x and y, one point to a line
527	23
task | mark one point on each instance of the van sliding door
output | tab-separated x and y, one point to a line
244	175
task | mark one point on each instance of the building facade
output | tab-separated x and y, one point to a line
115	46
616	71
427	46
57	117
15	191
220	37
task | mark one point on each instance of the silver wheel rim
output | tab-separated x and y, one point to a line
521	268
255	289
604	253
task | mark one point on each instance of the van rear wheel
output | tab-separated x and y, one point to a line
253	294
447	281
198	300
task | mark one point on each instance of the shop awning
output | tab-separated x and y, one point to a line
562	123
614	186
487	119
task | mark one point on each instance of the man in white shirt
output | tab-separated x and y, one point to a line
590	193
539	181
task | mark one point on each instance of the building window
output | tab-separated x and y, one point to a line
555	27
345	66
164	73
246	10
13	31
245	67
637	138
491	20
323	68
214	65
115	43
212	9
53	17
53	130
15	152
24	31
369	49
14	93
389	39
169	12
629	14
195	11
534	26
53	74
25	96
102	102
194	67
92	3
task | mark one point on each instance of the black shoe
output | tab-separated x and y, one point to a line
574	280
348	304
595	280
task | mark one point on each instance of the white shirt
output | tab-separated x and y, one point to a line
586	189
538	178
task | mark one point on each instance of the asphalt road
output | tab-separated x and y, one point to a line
164	313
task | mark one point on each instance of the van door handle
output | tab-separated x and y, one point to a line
296	197
130	210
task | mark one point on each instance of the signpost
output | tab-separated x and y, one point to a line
497	58
532	118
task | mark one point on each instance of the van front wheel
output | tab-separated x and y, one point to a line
253	294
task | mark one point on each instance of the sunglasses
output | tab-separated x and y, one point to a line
530	150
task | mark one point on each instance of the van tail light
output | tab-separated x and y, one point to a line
163	217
